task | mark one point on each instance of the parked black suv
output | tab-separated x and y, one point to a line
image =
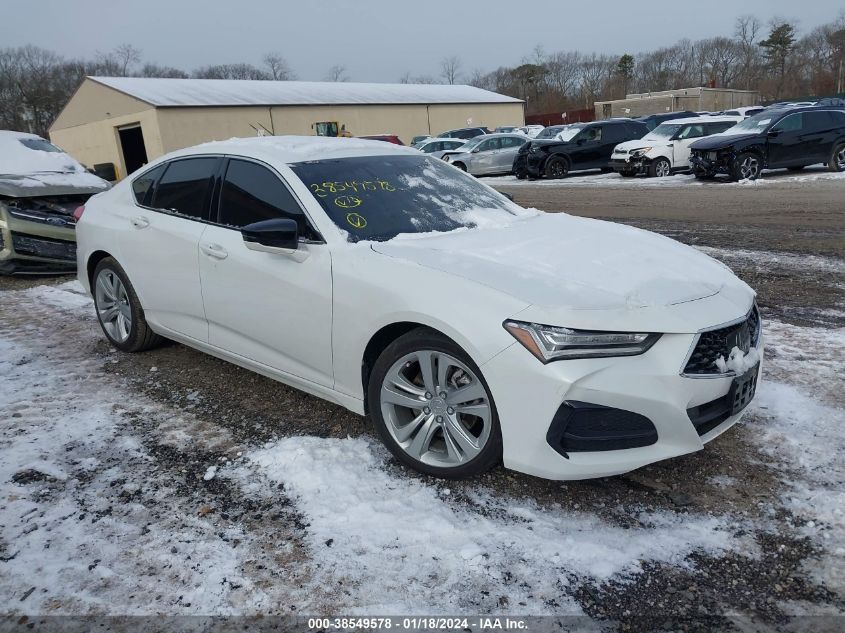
777	137
589	146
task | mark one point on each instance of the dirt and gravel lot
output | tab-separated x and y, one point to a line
171	482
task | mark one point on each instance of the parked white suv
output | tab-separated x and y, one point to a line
470	330
666	149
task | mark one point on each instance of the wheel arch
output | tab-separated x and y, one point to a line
379	342
91	265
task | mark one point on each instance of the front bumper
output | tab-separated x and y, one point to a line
631	165
711	163
35	247
535	163
529	395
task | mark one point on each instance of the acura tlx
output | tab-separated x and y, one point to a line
470	330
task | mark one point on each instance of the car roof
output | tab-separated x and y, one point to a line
295	149
705	119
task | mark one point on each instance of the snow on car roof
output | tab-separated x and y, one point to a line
703	119
235	92
294	149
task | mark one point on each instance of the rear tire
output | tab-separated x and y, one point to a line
746	166
556	167
837	158
119	311
424	430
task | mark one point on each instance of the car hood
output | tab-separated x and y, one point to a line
50	184
642	142
571	267
717	141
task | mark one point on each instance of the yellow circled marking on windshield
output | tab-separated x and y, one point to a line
348	202
356	220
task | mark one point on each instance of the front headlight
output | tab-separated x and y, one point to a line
641	151
550	343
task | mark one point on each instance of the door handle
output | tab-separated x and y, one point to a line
140	222
214	250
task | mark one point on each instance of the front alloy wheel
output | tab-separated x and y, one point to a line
432	408
747	167
661	168
112	303
556	167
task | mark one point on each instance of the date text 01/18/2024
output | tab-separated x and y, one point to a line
422	623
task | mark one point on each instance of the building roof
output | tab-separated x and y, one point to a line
233	92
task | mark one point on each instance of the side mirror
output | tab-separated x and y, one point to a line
106	171
280	236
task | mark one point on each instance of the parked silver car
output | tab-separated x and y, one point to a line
488	154
438	146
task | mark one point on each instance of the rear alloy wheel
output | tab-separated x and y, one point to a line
660	168
746	167
837	158
432	408
118	309
556	167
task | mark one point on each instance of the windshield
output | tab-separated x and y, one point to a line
568	133
379	197
753	125
40	145
550	132
662	131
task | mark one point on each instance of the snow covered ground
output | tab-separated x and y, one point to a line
109	499
596	179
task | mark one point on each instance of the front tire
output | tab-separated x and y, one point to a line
119	311
837	158
432	407
660	168
556	167
747	166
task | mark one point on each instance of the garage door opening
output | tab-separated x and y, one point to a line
132	146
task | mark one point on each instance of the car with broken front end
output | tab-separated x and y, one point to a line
40	189
777	138
470	330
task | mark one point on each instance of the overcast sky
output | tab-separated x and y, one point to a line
379	40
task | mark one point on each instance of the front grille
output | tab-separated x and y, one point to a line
43	218
43	247
719	343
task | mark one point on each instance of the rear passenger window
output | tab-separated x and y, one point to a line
186	186
144	184
252	193
817	121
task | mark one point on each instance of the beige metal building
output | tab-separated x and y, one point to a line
695	99
127	121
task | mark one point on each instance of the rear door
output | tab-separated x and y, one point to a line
160	249
270	308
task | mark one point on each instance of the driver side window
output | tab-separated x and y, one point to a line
592	134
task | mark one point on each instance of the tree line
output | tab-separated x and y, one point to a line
773	57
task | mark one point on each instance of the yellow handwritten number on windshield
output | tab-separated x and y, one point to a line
348	202
356	220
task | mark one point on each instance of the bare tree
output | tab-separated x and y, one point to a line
230	71
746	31
168	72
450	69
337	73
278	67
563	72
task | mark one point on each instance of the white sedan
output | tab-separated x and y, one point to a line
470	330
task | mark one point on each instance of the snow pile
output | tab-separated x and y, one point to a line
738	361
406	546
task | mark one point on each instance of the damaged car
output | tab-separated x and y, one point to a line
777	138
40	189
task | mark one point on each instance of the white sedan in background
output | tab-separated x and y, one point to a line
488	154
469	329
